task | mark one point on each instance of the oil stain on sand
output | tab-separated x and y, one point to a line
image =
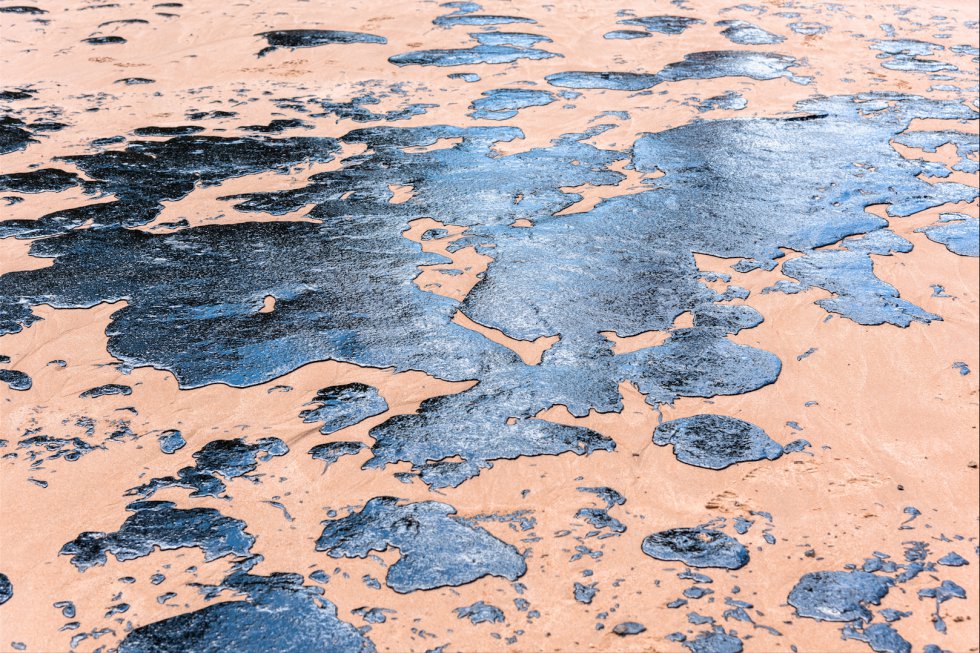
592	328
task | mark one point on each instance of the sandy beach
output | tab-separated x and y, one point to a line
499	327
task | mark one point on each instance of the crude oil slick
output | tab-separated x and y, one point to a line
476	326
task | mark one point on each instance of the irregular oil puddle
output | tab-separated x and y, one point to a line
628	628
331	452
171	441
882	638
14	134
372	615
663	24
182	130
356	109
161	525
745	33
490	431
15	379
104	40
697	547
465	14
480	613
491	48
699	65
436	549
504	103
311	38
859	294
730	101
6	589
226	458
838	595
625	35
909	55
276	126
45	180
882	242
944	592
21	9
600	520
344	405
107	390
584	593
714	641
278	613
716	441
959	233
808	28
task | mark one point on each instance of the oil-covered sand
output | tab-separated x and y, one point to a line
489	327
